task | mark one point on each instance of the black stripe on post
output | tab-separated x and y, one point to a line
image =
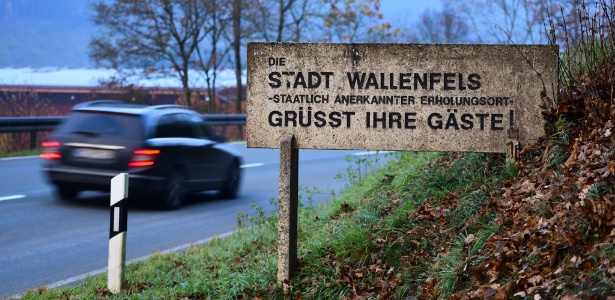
119	218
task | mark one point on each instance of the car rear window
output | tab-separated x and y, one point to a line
118	126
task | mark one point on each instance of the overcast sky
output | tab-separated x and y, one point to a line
407	10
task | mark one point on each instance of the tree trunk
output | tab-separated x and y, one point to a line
237	49
214	41
281	21
186	89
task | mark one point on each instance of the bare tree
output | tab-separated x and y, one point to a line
280	20
571	21
150	35
237	37
211	55
438	27
300	18
346	21
508	21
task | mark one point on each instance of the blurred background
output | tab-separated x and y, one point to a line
55	54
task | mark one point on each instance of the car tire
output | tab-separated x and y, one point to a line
173	198
231	187
66	192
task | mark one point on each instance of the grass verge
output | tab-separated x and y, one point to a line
21	153
381	237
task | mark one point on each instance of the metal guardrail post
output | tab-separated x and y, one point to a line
32	139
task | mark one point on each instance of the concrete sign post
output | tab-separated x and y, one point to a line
117	233
416	97
288	207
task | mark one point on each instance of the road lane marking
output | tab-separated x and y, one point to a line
252	165
13	197
19	157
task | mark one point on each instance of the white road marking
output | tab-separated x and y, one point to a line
13	197
252	165
19	157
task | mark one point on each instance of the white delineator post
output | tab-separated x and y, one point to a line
117	232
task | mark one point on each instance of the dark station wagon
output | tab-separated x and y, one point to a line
168	151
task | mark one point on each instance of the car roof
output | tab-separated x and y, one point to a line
113	106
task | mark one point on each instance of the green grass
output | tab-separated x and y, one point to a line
21	153
363	242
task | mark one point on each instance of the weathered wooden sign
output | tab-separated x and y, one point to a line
419	97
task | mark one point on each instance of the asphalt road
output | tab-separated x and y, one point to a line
49	242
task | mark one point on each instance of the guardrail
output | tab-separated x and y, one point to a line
225	120
43	124
29	124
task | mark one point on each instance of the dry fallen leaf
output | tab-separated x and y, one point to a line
520	294
607	133
470	238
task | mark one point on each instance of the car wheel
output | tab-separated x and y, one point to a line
174	196
66	192
230	189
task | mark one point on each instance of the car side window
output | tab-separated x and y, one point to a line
170	126
185	127
198	126
166	127
180	125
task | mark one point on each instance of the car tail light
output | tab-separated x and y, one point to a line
143	158
51	150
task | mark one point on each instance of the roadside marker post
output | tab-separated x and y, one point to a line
117	232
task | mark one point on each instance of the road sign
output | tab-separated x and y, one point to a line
419	97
